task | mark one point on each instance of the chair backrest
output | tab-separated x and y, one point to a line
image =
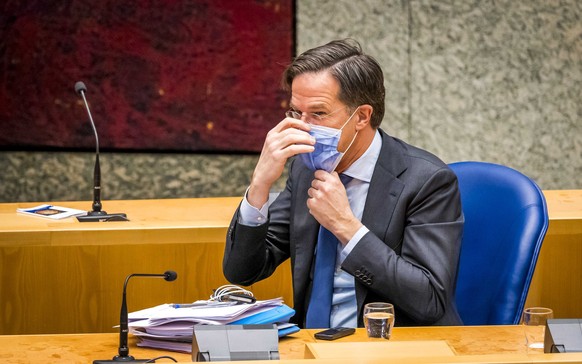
505	223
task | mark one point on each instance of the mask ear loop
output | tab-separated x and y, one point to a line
352	142
354	138
350	118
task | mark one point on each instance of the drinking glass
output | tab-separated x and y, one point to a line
534	324
379	319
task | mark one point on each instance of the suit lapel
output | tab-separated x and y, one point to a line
385	188
305	228
383	194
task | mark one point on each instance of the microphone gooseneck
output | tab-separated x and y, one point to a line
80	88
96	214
123	351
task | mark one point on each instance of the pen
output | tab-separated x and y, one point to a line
40	208
202	304
188	305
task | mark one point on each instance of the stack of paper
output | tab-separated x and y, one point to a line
170	326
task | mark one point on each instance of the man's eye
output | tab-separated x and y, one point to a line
320	114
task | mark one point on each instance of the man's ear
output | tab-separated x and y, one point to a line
364	116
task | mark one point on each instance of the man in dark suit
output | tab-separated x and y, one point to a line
398	220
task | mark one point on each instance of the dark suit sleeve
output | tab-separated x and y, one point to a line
252	253
419	279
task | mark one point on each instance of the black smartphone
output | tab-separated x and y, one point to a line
335	333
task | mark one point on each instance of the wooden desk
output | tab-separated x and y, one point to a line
470	344
557	280
52	271
62	276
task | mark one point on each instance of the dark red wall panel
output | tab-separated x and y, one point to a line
199	75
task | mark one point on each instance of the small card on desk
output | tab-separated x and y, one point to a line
51	211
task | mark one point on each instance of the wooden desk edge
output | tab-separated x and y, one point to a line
16	349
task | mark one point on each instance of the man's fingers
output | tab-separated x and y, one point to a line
291	123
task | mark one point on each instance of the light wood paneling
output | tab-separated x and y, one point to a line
67	277
557	281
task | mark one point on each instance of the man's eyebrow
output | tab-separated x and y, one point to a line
319	106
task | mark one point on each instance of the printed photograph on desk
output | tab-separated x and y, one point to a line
51	211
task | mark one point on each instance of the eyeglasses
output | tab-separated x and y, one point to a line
311	117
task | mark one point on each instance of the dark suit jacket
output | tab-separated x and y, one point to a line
409	258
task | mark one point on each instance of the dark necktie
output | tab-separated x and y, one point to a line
319	308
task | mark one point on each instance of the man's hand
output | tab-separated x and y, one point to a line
329	205
288	138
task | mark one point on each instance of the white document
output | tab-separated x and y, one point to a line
210	314
171	326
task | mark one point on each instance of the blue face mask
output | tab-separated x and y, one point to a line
325	156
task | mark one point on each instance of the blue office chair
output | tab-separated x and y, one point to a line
505	223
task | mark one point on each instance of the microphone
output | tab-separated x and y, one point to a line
96	214
123	351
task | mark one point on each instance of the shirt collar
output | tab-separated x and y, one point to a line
363	167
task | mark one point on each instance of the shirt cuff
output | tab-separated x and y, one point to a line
250	215
353	242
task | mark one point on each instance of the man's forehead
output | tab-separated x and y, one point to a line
314	90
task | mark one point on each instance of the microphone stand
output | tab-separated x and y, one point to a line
123	351
96	215
124	328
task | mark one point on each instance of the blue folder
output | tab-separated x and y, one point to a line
279	314
288	330
275	315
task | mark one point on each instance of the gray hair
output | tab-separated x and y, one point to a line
360	76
